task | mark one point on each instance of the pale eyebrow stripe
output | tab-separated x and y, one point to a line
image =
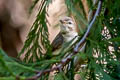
67	19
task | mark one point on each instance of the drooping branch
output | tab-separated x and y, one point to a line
75	50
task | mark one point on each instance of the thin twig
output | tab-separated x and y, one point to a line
75	51
89	27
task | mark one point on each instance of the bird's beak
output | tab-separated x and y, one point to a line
62	22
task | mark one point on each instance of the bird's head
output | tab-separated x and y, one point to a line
67	25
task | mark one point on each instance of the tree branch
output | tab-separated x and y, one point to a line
75	51
89	27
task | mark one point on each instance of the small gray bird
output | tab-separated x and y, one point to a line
67	33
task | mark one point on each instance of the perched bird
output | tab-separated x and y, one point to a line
67	33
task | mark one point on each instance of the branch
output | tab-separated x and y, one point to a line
75	51
89	27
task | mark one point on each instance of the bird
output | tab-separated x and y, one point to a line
68	31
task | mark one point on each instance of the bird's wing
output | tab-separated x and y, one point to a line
57	42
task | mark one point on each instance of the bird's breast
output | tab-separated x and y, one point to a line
68	37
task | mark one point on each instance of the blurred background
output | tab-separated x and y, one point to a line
14	24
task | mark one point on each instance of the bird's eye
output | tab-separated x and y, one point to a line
69	23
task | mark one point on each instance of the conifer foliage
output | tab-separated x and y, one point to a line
100	59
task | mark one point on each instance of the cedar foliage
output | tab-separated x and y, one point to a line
103	35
